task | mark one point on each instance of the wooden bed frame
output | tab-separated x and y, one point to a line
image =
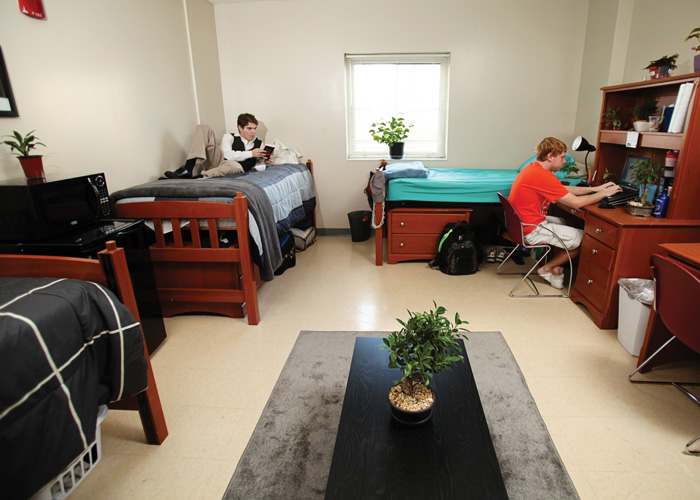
111	271
412	233
196	276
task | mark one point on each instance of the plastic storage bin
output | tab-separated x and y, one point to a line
636	298
66	482
360	225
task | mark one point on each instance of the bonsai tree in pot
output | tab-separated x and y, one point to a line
21	146
643	111
644	174
695	34
660	67
392	133
424	346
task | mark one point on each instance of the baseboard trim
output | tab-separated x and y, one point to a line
325	231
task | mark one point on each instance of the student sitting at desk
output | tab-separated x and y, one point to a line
535	188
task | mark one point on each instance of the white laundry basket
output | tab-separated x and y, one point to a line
66	482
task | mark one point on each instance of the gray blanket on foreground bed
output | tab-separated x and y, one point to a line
221	187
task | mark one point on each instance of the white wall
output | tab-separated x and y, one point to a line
623	36
205	58
516	68
109	85
106	85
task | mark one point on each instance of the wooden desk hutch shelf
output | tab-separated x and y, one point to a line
616	244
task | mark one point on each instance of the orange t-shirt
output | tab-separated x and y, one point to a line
533	190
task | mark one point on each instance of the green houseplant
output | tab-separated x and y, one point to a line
392	133
569	168
695	34
611	118
644	174
424	346
21	146
643	111
659	68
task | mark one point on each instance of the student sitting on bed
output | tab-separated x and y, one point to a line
238	153
535	188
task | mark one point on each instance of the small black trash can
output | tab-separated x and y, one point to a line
360	225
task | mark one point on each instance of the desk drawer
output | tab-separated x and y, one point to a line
423	222
602	231
593	252
414	244
592	282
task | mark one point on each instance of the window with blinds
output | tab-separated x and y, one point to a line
412	86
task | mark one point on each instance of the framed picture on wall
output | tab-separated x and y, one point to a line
8	107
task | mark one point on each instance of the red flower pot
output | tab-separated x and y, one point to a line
33	166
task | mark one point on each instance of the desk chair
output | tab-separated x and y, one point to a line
677	291
515	229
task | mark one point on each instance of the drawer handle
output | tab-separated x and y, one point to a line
401	244
402	224
573	211
589	282
598	230
594	251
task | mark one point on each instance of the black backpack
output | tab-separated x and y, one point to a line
458	251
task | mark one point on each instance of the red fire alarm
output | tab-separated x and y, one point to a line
32	8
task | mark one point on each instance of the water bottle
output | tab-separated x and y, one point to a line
661	205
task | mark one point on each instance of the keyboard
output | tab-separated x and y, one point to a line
622	197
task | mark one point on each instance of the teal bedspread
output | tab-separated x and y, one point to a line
456	185
453	185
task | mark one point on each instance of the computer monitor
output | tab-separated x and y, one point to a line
627	174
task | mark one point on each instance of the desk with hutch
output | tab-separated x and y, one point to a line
616	244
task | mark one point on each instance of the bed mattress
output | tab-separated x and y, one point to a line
453	185
66	347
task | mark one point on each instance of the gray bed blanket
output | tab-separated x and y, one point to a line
220	187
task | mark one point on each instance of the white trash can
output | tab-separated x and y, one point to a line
636	298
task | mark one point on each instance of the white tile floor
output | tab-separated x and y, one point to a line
215	374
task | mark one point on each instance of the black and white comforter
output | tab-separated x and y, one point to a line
279	197
66	347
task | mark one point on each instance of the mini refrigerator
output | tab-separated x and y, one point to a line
131	235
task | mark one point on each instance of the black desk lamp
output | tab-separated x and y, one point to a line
581	144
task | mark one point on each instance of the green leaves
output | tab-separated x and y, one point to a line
646	172
21	146
391	132
426	344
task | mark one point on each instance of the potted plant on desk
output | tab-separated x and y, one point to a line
644	173
425	345
31	164
392	133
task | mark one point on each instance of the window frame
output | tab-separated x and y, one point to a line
353	134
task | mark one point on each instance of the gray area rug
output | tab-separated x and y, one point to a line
289	454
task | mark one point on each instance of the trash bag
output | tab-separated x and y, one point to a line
639	289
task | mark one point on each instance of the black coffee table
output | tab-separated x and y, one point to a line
451	456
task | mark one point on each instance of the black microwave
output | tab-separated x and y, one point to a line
30	212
